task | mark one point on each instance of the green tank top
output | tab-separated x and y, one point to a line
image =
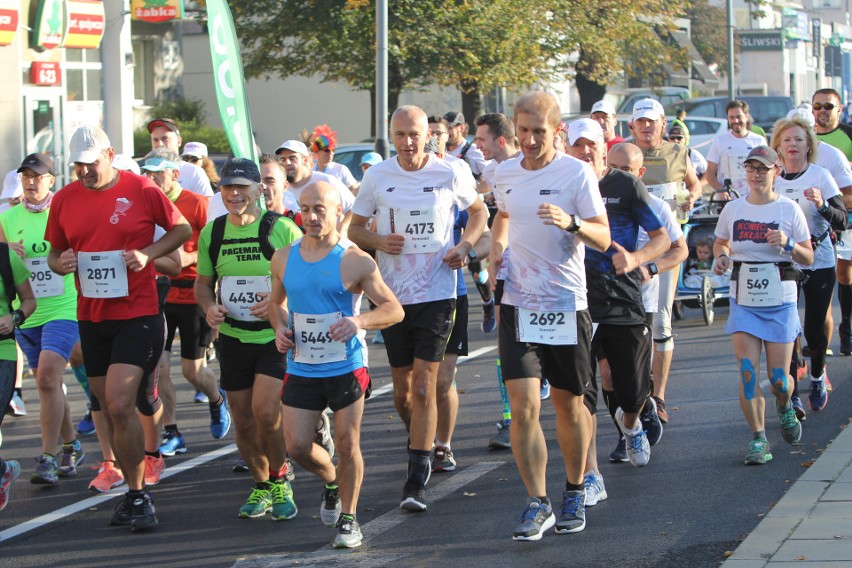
60	301
839	139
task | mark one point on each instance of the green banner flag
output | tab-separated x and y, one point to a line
228	77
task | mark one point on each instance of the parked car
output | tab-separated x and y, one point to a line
702	129
350	156
764	110
666	95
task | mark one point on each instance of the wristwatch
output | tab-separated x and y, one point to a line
18	318
575	225
790	245
652	269
472	255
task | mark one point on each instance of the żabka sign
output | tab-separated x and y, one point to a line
8	20
156	11
49	28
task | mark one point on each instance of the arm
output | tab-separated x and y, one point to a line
368	240
28	306
625	261
388	310
802	252
693	185
594	231
847	196
170	264
62	262
279	319
205	295
721	248
476	223
174	237
17	247
499	241
483	245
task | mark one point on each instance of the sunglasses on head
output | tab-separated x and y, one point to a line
826	106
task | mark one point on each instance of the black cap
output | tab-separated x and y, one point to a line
239	171
454	118
39	163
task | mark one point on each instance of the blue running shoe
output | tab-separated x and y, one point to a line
200	397
220	418
172	444
545	389
818	397
86	427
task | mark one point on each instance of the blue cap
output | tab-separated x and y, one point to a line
159	163
371	158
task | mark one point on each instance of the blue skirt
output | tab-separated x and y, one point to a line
779	324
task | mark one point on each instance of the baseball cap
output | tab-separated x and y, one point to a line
371	158
197	149
87	143
585	128
125	162
806	114
12	186
39	163
240	171
648	108
294	146
169	123
454	118
158	164
763	154
603	106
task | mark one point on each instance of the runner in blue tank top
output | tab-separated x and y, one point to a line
321	278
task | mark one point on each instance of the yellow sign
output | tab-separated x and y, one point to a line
156	11
8	20
85	24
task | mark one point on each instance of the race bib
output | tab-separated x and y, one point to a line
423	229
759	285
313	340
844	245
102	274
665	191
797	194
45	282
736	170
548	328
240	294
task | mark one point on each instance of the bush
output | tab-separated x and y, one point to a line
215	138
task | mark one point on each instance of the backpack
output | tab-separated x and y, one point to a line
217	235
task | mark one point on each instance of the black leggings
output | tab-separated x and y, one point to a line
818	288
7	384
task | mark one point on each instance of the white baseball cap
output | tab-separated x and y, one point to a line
585	128
126	163
805	113
294	146
87	143
603	106
197	149
648	108
12	186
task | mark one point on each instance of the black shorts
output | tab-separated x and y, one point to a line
195	334
457	343
137	341
312	393
239	362
627	349
422	334
498	291
567	367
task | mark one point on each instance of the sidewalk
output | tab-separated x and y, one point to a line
811	525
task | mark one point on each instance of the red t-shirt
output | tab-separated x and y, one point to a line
193	206
120	218
614	141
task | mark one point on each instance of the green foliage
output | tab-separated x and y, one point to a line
215	138
182	110
709	31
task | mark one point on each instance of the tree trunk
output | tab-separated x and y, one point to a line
471	103
590	92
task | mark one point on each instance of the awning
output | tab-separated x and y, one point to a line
699	71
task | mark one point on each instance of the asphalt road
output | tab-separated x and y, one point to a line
694	501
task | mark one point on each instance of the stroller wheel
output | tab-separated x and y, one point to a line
677	310
707	299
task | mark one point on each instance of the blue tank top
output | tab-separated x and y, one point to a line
313	289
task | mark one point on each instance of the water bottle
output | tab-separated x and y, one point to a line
681	197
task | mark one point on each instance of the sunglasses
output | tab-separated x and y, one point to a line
826	106
675	138
190	159
328	150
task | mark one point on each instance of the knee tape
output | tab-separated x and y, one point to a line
748	378
779	379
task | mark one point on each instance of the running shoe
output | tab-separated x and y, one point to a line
595	488
220	418
72	456
798	407
661	410
758	452
86	426
172	444
154	469
651	423
10	474
545	389
802	370
17	406
619	454
323	434
200	397
536	518
348	533
829	352
818	397
291	473
638	448
283	506
489	319
331	506
443	460
791	428
109	477
501	441
258	503
47	471
142	513
123	512
378	339
572	514
413	497
240	466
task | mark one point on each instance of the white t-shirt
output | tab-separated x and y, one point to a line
474	157
291	196
699	164
546	269
729	153
489	172
835	162
341	172
390	192
193	178
744	226
818	177
651	288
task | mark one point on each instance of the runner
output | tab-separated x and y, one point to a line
729	149
603	112
459	147
166	134
323	144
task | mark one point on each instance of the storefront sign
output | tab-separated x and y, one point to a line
49	26
85	24
156	11
763	40
45	73
8	20
795	24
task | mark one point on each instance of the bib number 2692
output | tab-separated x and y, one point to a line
548	328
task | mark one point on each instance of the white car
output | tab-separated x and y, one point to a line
702	129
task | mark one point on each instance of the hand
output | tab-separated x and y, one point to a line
457	257
68	262
722	264
687	205
6	324
494	264
393	244
623	260
645	273
261	309
344	329
814	195
722	196
554	215
135	259
776	238
283	339
18	248
215	315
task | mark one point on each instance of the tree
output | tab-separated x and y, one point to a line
709	31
